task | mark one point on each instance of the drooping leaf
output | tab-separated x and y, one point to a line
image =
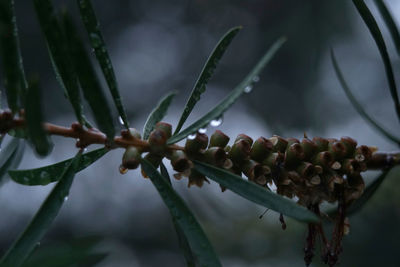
58	50
157	114
11	156
245	85
88	79
377	35
205	75
256	193
34	119
51	173
360	109
97	42
197	239
14	76
390	23
43	219
183	242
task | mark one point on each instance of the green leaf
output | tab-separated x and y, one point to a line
377	35
78	252
256	193
183	242
217	111
358	106
198	241
97	42
14	76
390	23
59	54
206	73
43	219
11	156
49	174
157	114
34	119
88	79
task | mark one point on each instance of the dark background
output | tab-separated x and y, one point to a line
159	46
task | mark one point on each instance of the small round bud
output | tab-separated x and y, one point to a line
215	156
157	141
261	148
294	155
324	159
244	137
219	139
240	151
179	161
321	143
196	178
197	144
279	143
337	149
131	158
309	148
350	145
165	127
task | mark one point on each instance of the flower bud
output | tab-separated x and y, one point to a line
273	160
350	145
131	158
219	139
157	141
337	149
244	137
179	161
194	146
279	143
292	141
305	169
165	127
240	151
349	166
261	148
215	156
321	143
309	148
324	159
294	155
363	153
131	133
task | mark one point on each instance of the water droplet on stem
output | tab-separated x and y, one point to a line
191	136
216	122
202	130
248	89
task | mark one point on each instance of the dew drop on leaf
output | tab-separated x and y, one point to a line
120	120
256	79
191	136
202	130
216	122
248	88
65	198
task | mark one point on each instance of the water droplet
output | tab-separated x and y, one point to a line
248	88
122	169
121	121
216	122
191	136
202	130
65	198
256	79
85	149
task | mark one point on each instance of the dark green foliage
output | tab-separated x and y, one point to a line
183	242
246	84
97	42
88	79
390	23
373	27
51	173
34	120
256	193
205	75
58	50
157	114
14	76
39	225
198	241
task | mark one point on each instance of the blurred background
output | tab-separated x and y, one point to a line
159	46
